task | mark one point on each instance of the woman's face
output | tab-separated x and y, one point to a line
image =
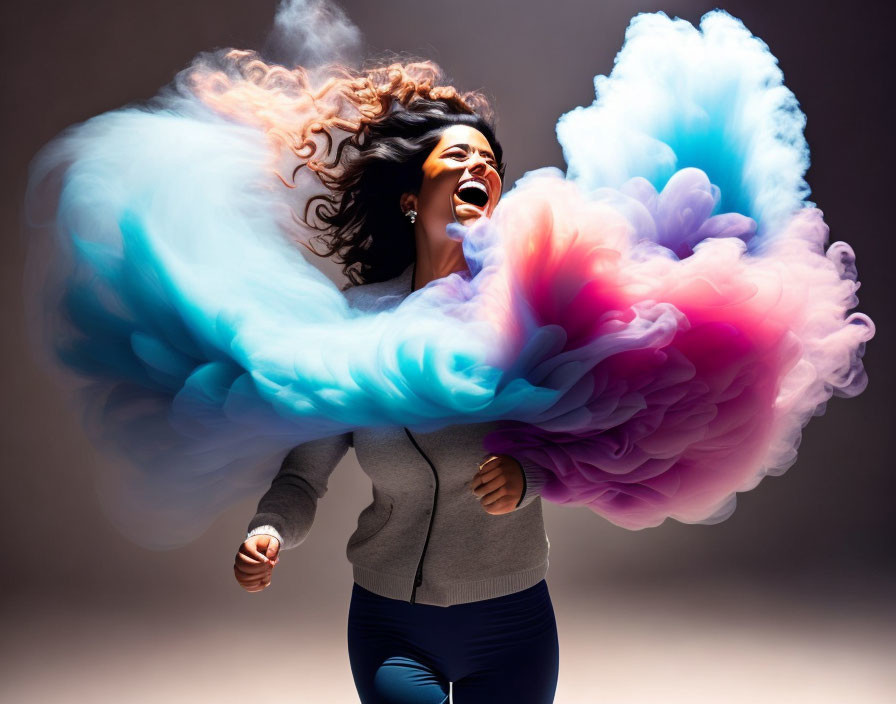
460	181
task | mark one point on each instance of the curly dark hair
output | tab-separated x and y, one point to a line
361	222
389	119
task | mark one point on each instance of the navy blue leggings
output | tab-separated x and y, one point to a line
497	650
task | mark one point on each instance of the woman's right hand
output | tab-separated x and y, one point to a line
255	562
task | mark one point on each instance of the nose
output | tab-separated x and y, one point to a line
479	166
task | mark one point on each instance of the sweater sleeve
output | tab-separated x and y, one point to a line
287	510
534	478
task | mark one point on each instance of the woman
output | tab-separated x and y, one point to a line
449	586
655	326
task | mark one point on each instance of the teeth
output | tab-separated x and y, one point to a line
474	184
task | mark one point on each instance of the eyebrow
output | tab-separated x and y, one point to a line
469	148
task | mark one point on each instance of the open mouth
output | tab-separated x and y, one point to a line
473	192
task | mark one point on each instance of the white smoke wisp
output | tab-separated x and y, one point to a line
312	33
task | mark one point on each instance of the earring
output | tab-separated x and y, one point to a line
411	215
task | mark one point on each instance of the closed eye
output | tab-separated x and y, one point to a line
461	156
459	153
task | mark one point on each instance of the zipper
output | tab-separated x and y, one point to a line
418	576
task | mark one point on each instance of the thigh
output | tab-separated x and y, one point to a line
388	666
515	655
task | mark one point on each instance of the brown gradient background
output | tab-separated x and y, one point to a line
791	600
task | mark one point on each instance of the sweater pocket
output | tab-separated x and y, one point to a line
371	521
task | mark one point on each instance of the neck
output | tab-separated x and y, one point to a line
436	259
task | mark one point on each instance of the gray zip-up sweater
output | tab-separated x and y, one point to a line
425	538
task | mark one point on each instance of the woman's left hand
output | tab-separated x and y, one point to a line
498	484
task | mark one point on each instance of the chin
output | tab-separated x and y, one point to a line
468	216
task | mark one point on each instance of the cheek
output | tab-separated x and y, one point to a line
436	190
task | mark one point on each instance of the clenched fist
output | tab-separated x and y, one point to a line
498	484
255	562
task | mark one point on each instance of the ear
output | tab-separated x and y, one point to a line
408	202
